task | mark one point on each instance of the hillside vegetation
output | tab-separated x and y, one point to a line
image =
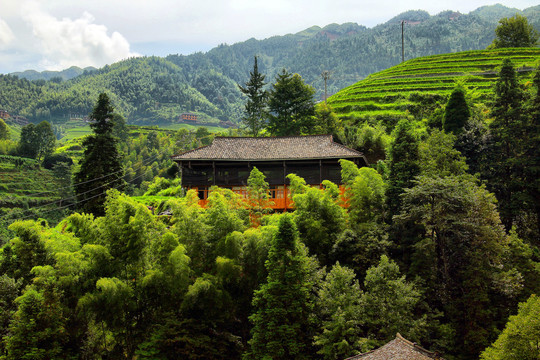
152	90
25	190
403	89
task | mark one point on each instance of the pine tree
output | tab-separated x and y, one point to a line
404	167
532	154
508	131
100	167
281	325
291	106
255	109
456	112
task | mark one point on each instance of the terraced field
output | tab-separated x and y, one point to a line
399	90
25	190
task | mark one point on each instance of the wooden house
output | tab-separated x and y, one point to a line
4	114
398	349
189	118
228	161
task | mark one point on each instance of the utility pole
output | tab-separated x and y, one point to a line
326	76
402	42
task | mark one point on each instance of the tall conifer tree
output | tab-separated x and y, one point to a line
508	131
255	110
100	168
281	322
456	112
532	154
404	157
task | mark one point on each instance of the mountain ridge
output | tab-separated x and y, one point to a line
152	90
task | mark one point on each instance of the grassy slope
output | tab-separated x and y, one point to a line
26	186
394	91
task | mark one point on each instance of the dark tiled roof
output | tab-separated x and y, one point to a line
271	148
398	349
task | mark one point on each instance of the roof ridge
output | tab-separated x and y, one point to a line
408	343
415	346
271	148
192	150
273	137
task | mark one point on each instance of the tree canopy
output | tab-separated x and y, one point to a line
100	168
255	109
515	31
291	105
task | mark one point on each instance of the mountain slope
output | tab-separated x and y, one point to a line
152	90
405	89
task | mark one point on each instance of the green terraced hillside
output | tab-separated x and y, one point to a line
25	188
399	90
22	178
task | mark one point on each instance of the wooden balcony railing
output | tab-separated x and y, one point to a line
279	196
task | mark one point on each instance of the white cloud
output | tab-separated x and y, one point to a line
79	42
6	35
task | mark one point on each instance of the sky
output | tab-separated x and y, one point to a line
57	34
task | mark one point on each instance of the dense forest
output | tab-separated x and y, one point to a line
157	90
105	256
438	241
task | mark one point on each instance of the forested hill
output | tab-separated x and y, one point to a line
158	90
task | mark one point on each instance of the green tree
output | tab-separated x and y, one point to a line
456	112
281	322
4	130
361	246
532	155
519	339
291	106
508	130
326	121
27	144
24	251
37	141
120	129
404	164
255	111
100	168
318	216
460	255
9	291
258	193
338	307
37	331
373	141
45	139
388	302
515	31
438	157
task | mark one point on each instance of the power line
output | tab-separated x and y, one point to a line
88	191
144	162
66	206
84	182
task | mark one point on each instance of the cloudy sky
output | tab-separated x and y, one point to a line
57	34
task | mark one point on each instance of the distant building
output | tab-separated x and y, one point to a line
398	349
228	162
189	118
227	124
4	114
